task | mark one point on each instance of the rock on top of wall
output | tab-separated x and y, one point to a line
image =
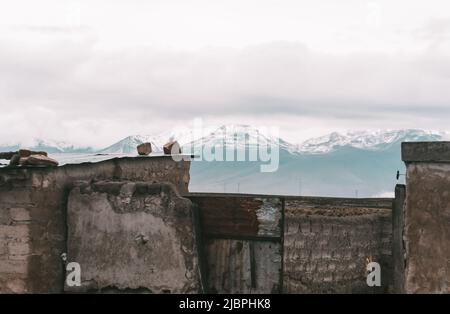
132	235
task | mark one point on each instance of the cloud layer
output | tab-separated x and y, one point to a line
64	83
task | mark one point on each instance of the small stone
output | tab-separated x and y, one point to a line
172	148
24	153
144	149
40	160
28	153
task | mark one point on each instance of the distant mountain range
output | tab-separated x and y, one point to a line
353	164
52	147
358	163
239	134
367	140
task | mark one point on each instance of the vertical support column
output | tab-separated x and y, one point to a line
427	217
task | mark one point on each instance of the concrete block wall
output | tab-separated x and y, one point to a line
33	206
132	236
327	243
426	230
14	248
31	238
323	242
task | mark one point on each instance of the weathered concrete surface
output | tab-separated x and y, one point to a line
426	152
398	248
14	249
239	216
132	235
237	266
427	228
243	243
327	243
31	239
30	249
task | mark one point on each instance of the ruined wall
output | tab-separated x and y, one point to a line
31	234
33	204
426	230
242	242
110	213
297	244
132	235
327	243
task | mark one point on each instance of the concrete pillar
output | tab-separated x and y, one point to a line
426	231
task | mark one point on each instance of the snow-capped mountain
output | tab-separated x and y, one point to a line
353	163
366	140
48	146
129	143
238	136
338	164
244	136
228	136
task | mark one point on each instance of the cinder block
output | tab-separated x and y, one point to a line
13	267
18	248
305	227
14	232
299	244
316	227
19	214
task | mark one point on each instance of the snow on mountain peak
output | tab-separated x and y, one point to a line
240	136
369	140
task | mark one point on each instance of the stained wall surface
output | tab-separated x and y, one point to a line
33	207
328	243
426	230
132	236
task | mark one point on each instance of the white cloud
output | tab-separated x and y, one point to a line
91	72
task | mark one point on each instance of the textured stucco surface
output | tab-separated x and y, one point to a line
438	151
427	228
326	246
230	266
317	245
132	235
33	203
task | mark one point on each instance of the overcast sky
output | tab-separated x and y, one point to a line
91	72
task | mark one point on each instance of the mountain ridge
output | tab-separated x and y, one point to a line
359	163
245	135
